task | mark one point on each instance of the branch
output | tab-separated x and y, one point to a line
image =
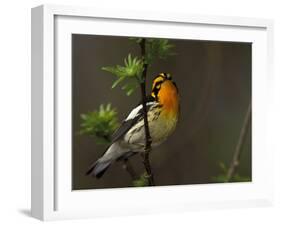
236	156
147	147
129	168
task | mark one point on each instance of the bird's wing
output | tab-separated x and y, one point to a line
135	115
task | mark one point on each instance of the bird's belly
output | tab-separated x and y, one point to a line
160	127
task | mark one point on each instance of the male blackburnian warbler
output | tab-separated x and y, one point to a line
129	139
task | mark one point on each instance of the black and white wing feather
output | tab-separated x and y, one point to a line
135	116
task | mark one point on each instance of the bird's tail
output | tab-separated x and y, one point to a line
98	168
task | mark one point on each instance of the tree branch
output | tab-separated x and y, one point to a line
148	141
237	153
129	168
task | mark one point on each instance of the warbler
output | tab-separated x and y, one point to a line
162	115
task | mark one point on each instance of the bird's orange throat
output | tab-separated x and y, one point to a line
169	98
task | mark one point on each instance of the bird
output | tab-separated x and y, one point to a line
163	109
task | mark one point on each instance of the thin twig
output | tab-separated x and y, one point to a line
147	147
237	153
129	168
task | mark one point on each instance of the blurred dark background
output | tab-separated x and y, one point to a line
214	80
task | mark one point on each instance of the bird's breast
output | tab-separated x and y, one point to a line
163	127
169	99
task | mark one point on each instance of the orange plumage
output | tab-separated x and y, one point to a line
168	96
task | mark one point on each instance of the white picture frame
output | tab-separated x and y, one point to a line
52	197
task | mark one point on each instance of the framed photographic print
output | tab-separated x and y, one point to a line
137	112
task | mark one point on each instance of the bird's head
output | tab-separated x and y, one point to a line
165	91
163	82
